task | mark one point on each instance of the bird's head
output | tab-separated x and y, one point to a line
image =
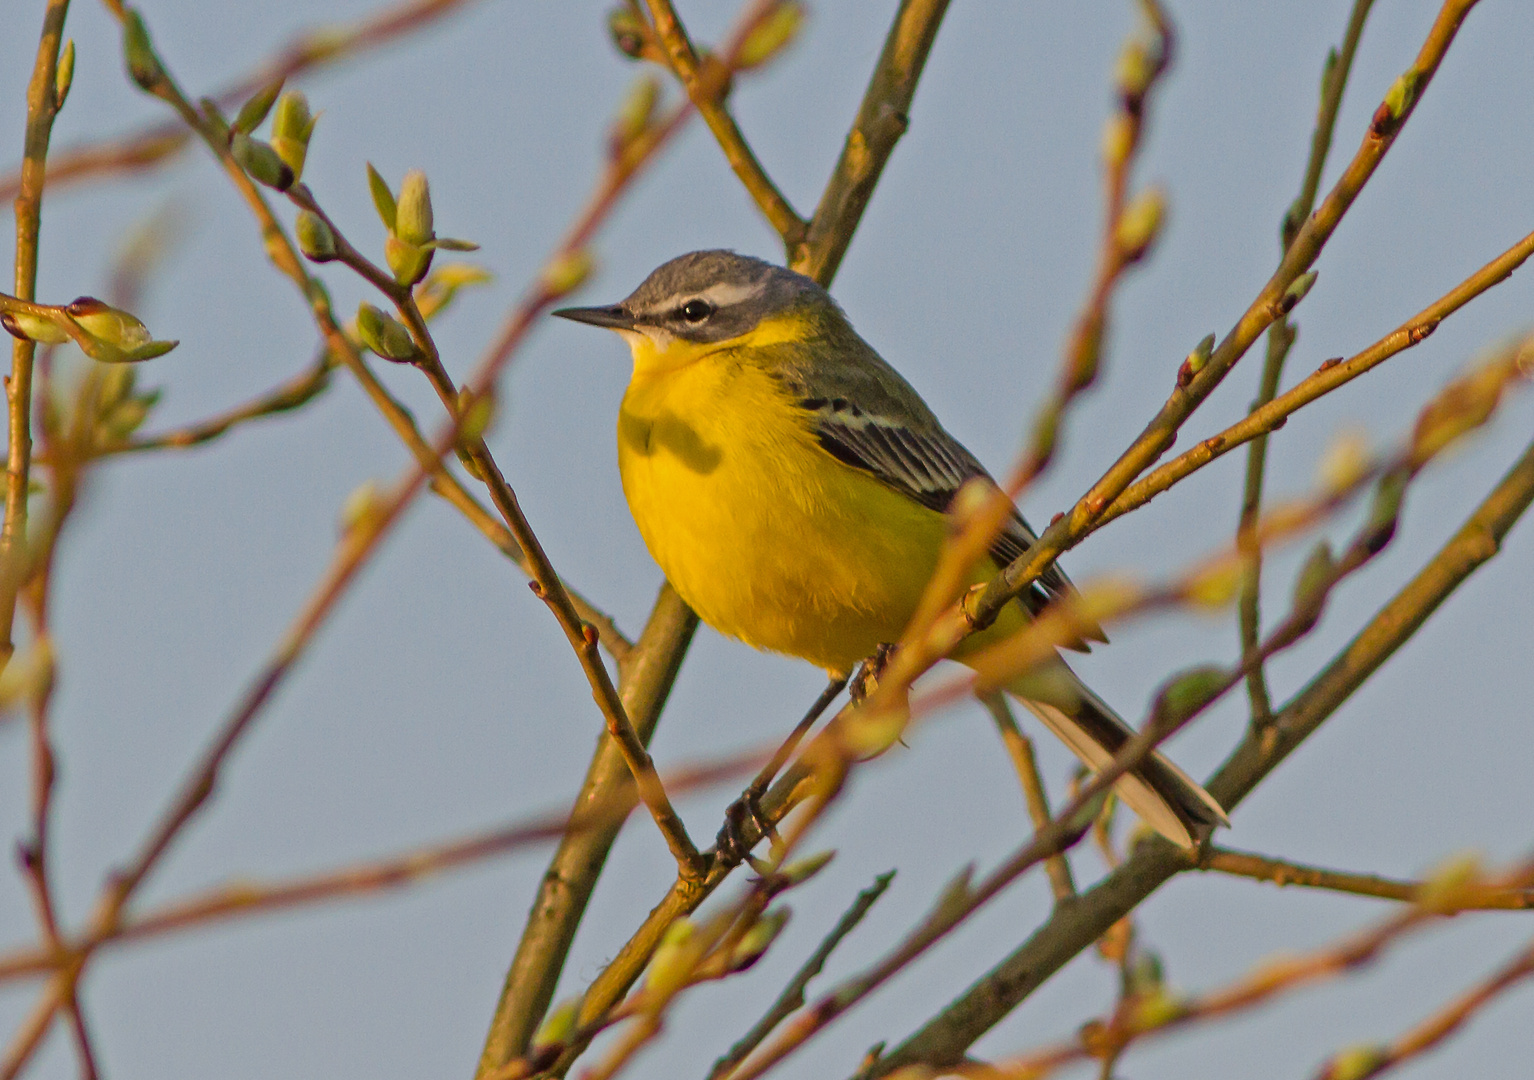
709	299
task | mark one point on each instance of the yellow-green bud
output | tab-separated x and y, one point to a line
1315	579
315	238
1189	691
385	335
477	412
383	198
111	335
291	127
770	36
558	1025
255	109
1135	70
1296	291
628	31
28	676
567	272
361	507
144	67
1346	460
1155	1009
635	112
1355	1063
1452	884
1140	224
412	215
408	262
437	291
756	941
259	160
1384	511
675	958
28	327
1216	586
801	870
1118	140
64	75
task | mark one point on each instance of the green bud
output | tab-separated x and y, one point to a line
635	113
1402	94
217	123
255	109
801	870
477	412
408	262
1135	70
1155	1009
291	128
1346	460
126	417
770	36
28	327
567	271
383	198
1315	579
438	290
260	161
558	1025
27	677
756	941
144	67
64	75
1189	691
1384	511
1196	360
315	238
116	384
629	32
412	216
1146	972
361	508
675	958
107	324
1451	885
1296	291
385	335
1355	1063
1461	407
1140	224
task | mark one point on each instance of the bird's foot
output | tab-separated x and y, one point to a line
865	680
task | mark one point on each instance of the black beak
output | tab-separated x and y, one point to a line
614	318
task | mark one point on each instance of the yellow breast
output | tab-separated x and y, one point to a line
765	534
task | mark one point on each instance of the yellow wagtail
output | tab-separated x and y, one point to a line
793	486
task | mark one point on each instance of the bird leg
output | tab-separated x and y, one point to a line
731	844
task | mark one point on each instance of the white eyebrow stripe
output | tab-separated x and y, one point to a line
727	294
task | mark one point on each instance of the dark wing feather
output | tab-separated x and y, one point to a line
927	466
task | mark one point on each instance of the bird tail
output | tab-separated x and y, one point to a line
1164	796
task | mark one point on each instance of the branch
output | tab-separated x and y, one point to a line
707	81
945	1038
1283	873
158	144
1281	337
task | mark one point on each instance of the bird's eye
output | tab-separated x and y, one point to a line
695	311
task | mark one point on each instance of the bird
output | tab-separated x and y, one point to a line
793	487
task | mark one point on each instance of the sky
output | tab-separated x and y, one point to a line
441	697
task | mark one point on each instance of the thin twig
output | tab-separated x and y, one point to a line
707	81
158	144
1281	337
792	996
1282	872
42	107
1026	765
944	1039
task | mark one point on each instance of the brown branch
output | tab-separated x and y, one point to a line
157	144
42	107
944	1039
1281	336
707	82
1020	750
1283	873
1328	377
1273	300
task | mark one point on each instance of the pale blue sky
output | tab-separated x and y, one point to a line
442	697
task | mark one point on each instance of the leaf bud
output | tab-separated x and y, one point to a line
29	327
1346	460
383	198
1216	586
1296	291
1315	580
385	335
675	958
1196	360
567	271
635	113
1355	1062
315	238
476	413
1118	140
255	109
801	870
412	216
1156	1008
1140	224
64	75
29	676
259	160
144	67
1451	885
770	36
755	942
559	1024
361	508
292	126
629	31
438	290
108	335
1135	70
1384	511
1189	691
407	262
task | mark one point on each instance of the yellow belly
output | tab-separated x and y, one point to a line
768	537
